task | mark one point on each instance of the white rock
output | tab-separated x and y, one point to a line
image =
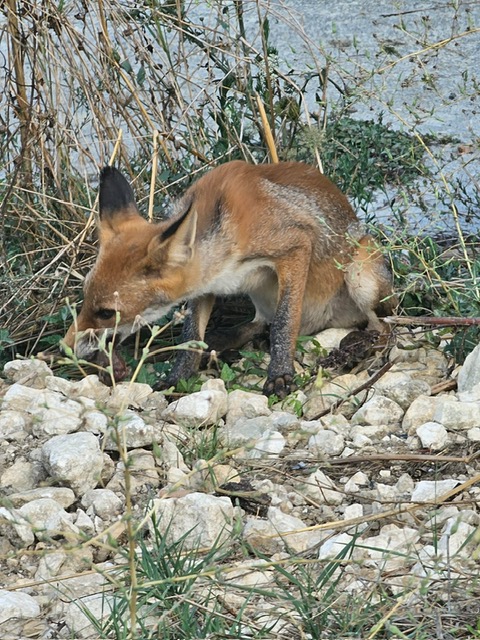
75	460
132	431
154	405
353	511
245	431
143	472
214	384
269	445
171	456
84	523
360	440
385	492
22	475
248	573
49	565
320	488
14	528
284	421
404	485
360	478
177	477
401	388
63	496
16	604
326	443
457	416
78	614
47	518
311	427
104	503
408	355
433	436
31	373
432	490
202	408
372	432
422	410
12	425
392	548
281	531
55	415
200	520
128	394
469	375
336	422
474	434
456	539
473	395
90	387
53	412
351	486
95	421
71	588
60	385
331	392
243	404
335	546
19	397
379	410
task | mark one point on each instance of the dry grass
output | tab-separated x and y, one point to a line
171	86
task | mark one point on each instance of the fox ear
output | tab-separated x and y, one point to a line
116	202
174	245
116	196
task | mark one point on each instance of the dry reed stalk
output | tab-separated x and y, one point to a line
267	132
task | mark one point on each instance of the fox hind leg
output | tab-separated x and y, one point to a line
292	277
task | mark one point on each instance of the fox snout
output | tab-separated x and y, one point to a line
86	343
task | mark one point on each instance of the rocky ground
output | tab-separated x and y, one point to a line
387	472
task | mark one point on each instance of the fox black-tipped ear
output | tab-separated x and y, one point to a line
116	195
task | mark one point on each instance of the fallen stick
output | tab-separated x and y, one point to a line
445	321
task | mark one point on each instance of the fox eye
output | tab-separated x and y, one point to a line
105	314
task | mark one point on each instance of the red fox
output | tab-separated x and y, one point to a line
283	233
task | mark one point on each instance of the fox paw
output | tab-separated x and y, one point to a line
280	386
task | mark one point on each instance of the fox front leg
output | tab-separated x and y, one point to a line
187	361
292	275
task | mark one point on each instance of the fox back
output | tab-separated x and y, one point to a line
284	234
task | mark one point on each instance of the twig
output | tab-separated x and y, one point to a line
446	321
410	457
154	176
441	387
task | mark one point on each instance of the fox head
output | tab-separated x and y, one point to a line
141	271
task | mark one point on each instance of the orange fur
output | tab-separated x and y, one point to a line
284	234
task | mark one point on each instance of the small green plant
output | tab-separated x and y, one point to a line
171	602
362	156
189	386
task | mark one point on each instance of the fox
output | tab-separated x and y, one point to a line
284	234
